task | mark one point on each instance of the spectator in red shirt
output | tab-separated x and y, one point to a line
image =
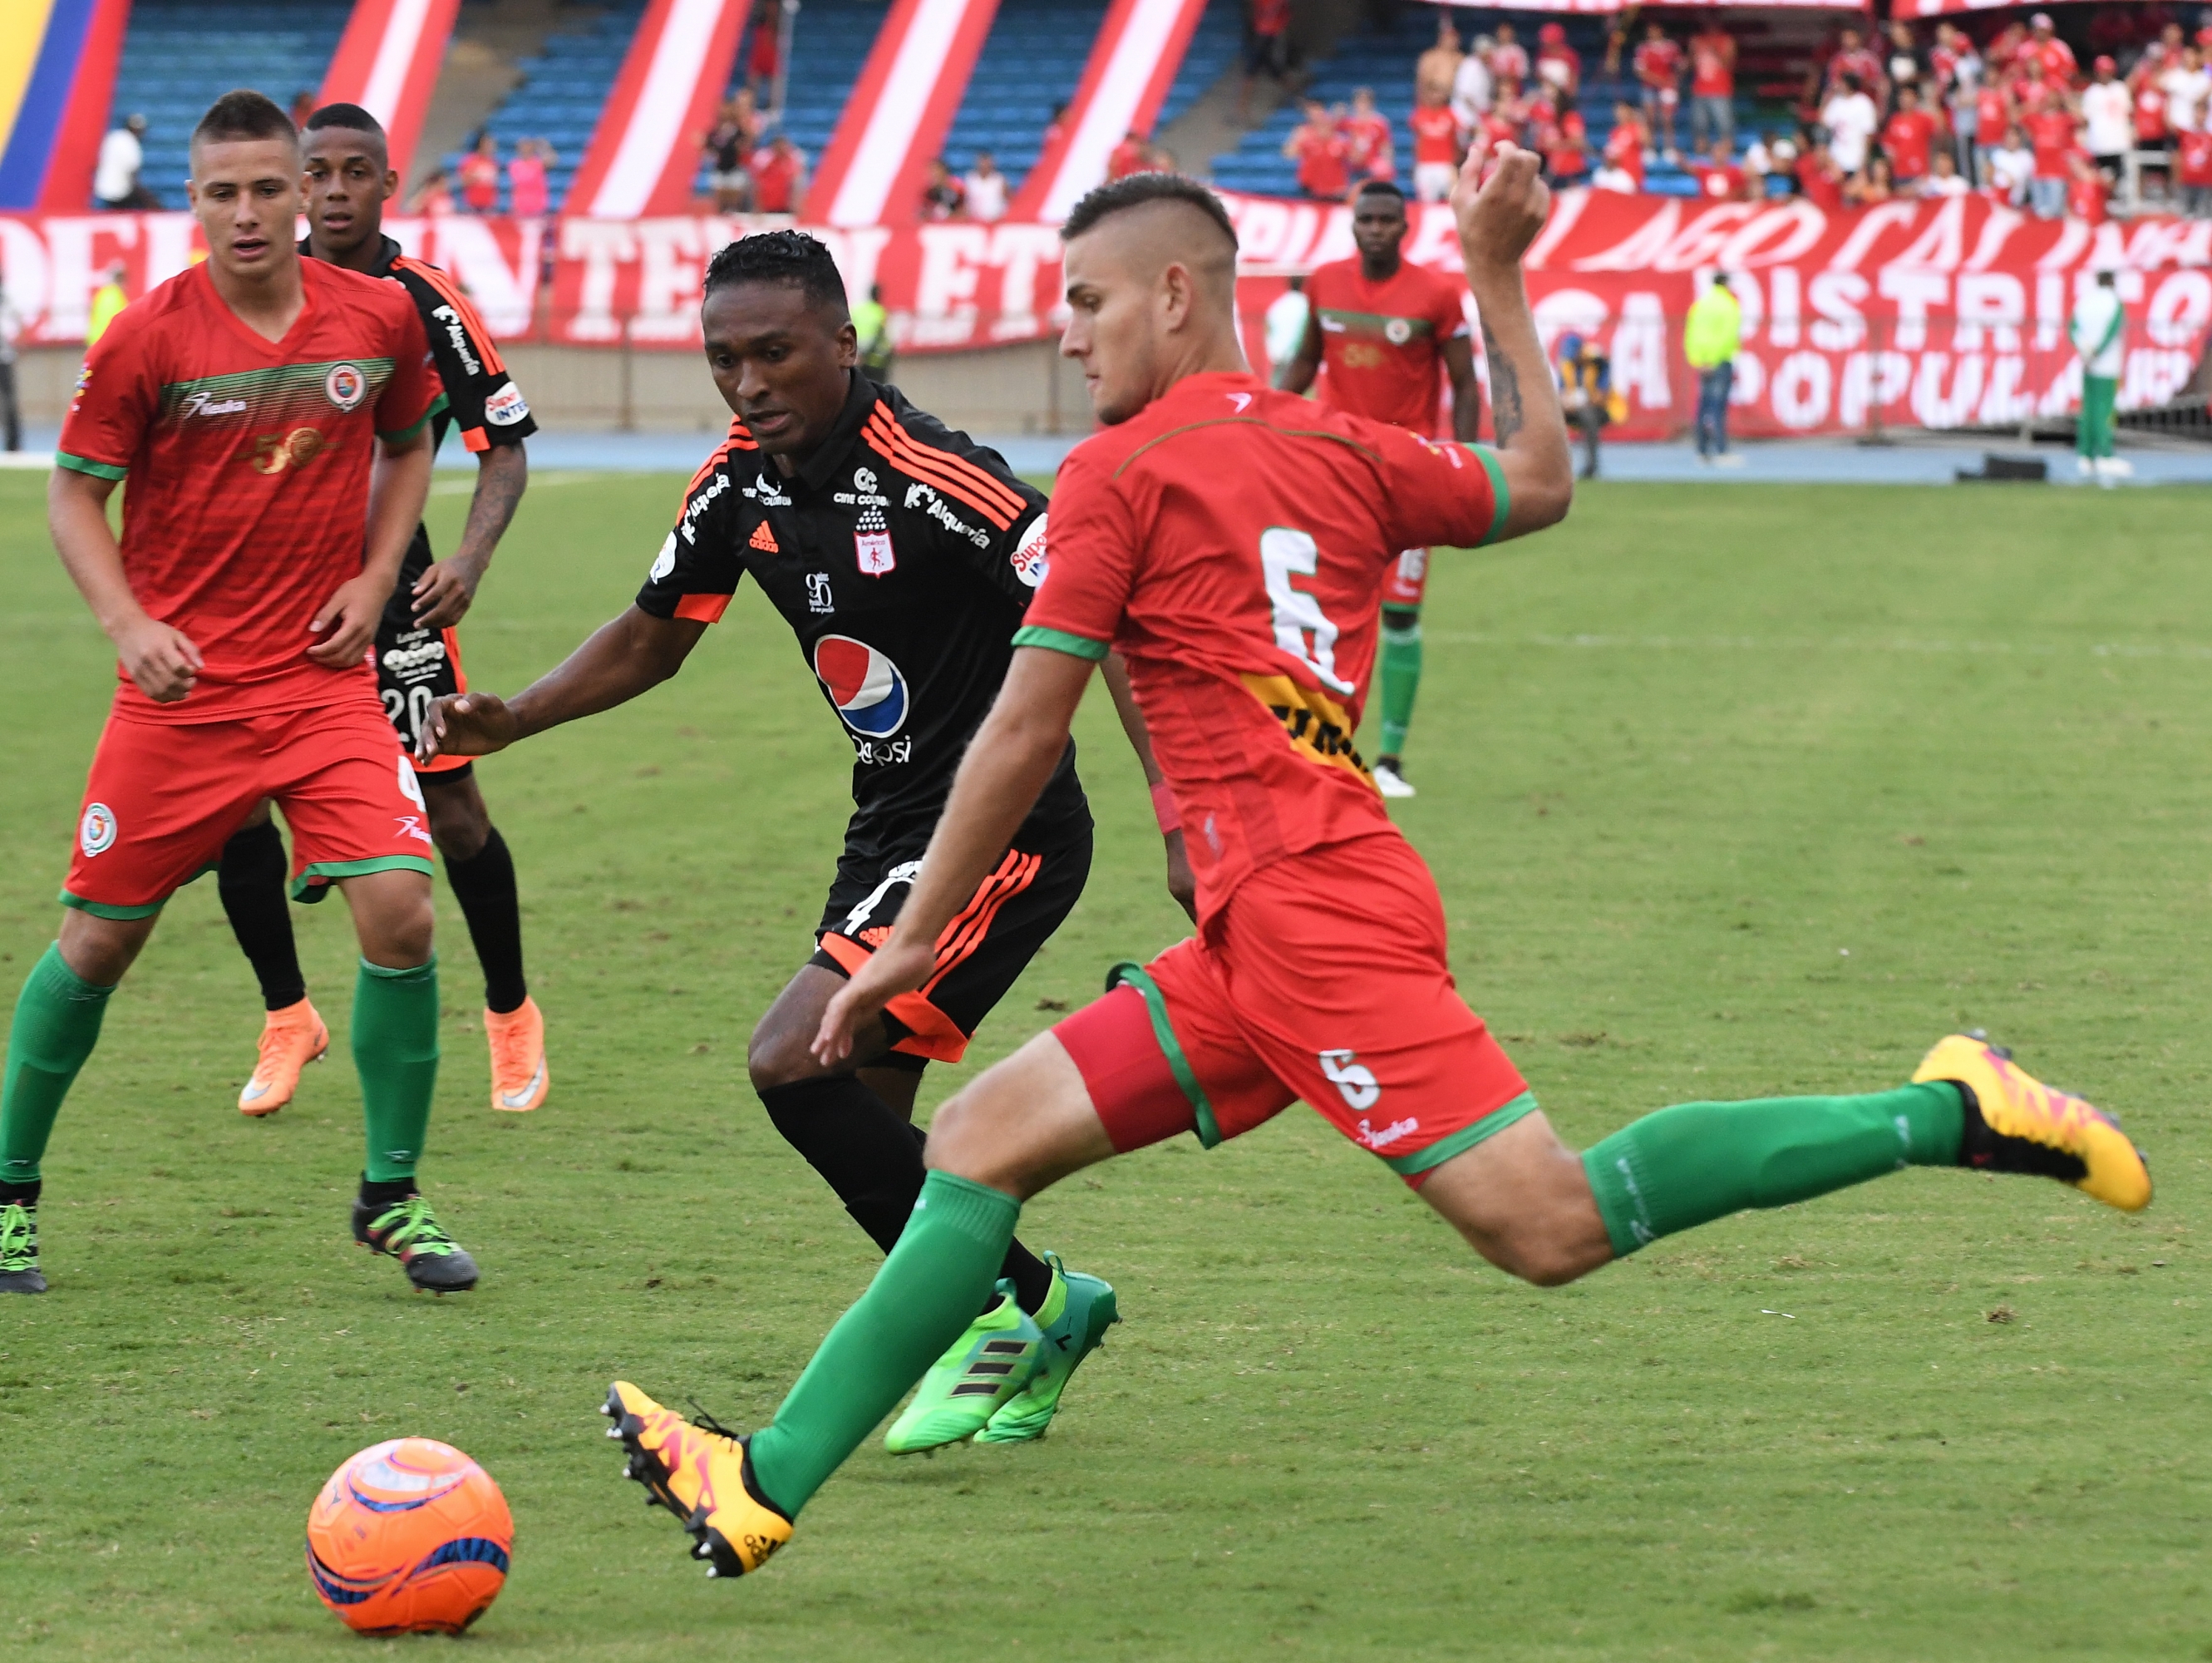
2194	169
527	196
942	196
2151	131
1908	137
1133	155
1992	117
1267	48
1437	150
1562	136
2086	191
1323	157
1506	121
1712	87
1658	66
2046	49
764	54
1870	185
480	175
1623	152
1819	181
1509	59
778	173
1719	178
2050	128
1557	64
1853	58
1367	136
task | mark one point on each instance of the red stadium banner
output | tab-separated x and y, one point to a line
1133	64
1935	314
644	154
900	110
388	62
1949	8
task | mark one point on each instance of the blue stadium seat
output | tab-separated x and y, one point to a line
180	56
1031	61
1214	46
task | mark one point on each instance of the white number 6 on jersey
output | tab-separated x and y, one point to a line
1355	1080
1284	553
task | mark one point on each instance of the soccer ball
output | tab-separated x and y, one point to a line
409	1537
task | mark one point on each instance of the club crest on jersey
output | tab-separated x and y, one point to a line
866	688
345	386
873	550
1397	331
1028	556
96	833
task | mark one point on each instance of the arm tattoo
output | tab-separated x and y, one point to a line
1504	391
499	489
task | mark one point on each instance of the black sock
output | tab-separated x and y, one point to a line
484	886
20	1194
872	1159
383	1192
251	882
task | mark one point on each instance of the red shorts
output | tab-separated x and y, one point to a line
1408	575
164	798
1325	979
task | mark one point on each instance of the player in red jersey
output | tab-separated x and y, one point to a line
418	649
1386	330
272	417
1318	972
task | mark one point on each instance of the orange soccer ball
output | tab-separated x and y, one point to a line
409	1537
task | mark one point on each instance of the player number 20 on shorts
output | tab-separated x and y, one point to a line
1284	554
410	707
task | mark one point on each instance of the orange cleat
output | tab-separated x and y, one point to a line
519	1079
290	1039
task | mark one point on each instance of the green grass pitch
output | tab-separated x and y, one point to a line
1730	791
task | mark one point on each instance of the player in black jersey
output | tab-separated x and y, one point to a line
903	556
418	653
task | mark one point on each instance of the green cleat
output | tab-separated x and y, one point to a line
1074	1319
989	1364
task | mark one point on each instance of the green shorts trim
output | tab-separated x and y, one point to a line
1411	1165
1496	470
330	871
1059	641
1134	975
102	910
86	465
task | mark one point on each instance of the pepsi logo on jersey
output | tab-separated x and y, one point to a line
866	688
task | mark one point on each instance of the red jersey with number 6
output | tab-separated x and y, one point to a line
1383	344
1229	541
248	463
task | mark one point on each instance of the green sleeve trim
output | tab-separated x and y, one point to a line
1496	470
407	433
86	465
1422	1160
331	871
101	910
1133	975
1059	641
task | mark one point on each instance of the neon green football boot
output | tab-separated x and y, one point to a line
1074	1318
985	1366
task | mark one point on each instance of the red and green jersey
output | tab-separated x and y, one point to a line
1383	344
247	463
1248	616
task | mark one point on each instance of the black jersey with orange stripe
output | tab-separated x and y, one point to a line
903	555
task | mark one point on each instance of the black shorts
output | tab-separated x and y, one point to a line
981	952
414	666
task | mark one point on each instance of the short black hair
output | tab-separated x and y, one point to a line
786	256
1139	189
350	116
1386	188
242	115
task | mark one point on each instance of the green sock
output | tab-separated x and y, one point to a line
928	1291
57	1024
1696	1162
395	1047
1402	677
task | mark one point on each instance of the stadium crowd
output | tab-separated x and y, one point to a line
2007	108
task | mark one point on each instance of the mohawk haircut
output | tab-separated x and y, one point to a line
791	258
351	117
1139	190
1371	187
241	116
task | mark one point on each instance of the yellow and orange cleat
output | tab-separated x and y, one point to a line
703	1475
290	1039
519	1079
2029	1127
